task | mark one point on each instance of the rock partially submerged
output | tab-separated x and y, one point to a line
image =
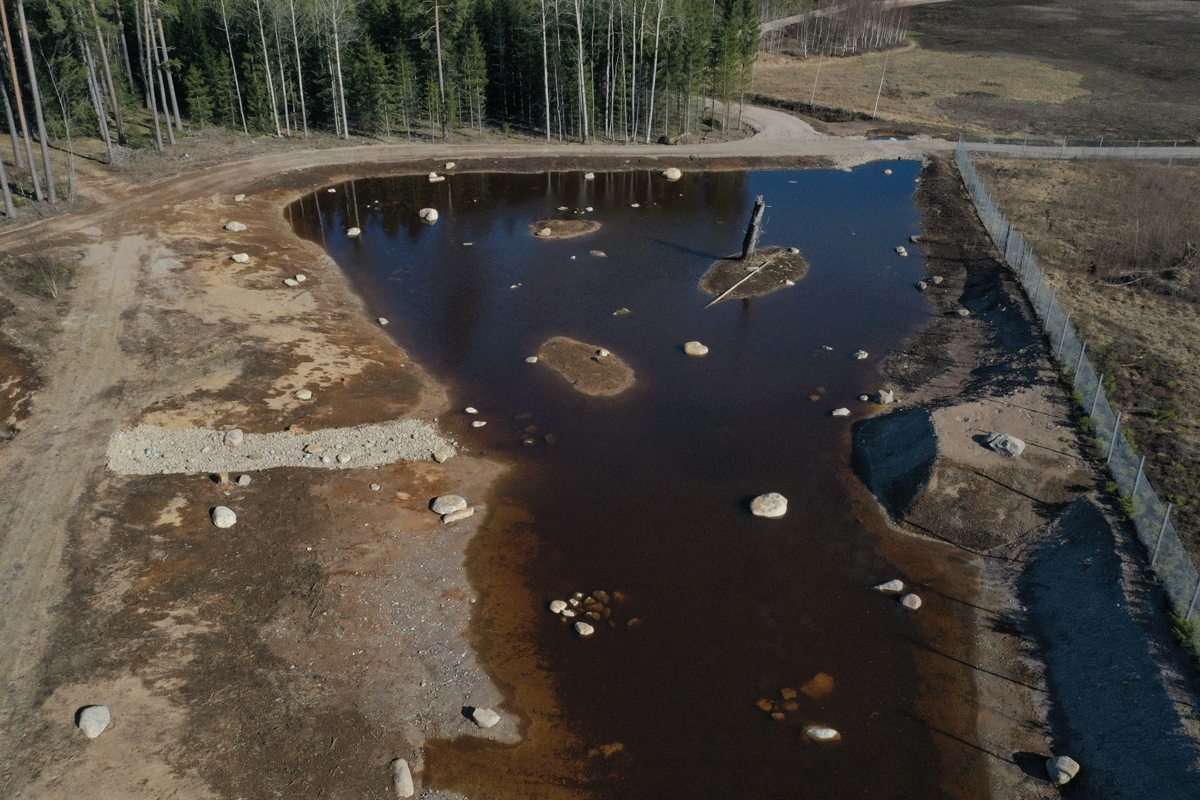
695	349
1061	769
578	363
563	228
772	505
428	215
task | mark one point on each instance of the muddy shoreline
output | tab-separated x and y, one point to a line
343	642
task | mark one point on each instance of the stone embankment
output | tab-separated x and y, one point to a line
149	450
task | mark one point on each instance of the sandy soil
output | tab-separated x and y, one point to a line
327	633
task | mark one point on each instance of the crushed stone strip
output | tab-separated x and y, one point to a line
150	450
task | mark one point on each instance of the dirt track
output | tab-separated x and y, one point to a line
120	359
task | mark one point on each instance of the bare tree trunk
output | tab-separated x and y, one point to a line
18	157
287	121
124	48
51	190
237	89
341	90
143	22
654	71
299	72
94	89
157	69
437	32
583	98
545	71
10	210
170	79
267	65
16	87
754	229
108	78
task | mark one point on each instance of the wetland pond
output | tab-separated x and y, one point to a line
647	493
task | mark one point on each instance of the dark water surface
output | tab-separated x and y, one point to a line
648	492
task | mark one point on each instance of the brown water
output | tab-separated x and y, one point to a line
649	492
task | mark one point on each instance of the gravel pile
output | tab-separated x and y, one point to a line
149	450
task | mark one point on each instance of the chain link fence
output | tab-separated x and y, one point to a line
1151	517
1160	150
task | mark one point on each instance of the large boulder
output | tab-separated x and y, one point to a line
895	456
448	504
93	720
1062	769
223	517
485	717
402	779
772	505
1005	444
235	226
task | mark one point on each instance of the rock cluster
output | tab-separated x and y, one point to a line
451	508
789	703
588	611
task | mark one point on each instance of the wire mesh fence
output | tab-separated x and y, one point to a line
1150	515
1161	150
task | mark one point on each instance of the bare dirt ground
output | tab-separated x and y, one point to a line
329	631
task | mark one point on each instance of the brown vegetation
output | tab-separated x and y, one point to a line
1119	241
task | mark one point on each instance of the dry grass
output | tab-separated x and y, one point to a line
1119	241
917	81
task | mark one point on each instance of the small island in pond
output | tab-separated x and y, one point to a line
766	270
563	228
589	369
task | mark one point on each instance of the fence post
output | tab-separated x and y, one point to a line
1050	302
1062	339
1113	443
1161	530
1192	605
1096	396
1171	160
1137	482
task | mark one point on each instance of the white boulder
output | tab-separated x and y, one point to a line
894	585
435	178
234	437
910	601
223	517
470	410
860	354
583	629
484	717
531	359
772	505
402	779
235	226
840	412
589	176
449	165
237	198
672	174
1062	769
93	720
558	606
448	504
383	321
695	349
352	232
886	398
822	734
290	282
304	394
428	215
240	258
